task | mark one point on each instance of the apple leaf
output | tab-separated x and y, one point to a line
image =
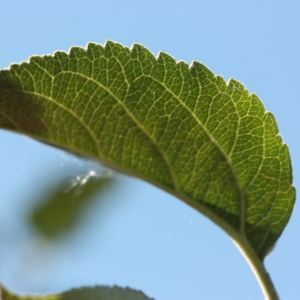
179	127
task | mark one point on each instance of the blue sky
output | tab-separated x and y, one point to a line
147	239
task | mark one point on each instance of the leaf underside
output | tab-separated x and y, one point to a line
181	128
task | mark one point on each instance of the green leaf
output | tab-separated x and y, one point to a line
59	210
208	142
95	293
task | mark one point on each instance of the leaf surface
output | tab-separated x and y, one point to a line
208	142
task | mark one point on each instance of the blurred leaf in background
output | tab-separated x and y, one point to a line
64	203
